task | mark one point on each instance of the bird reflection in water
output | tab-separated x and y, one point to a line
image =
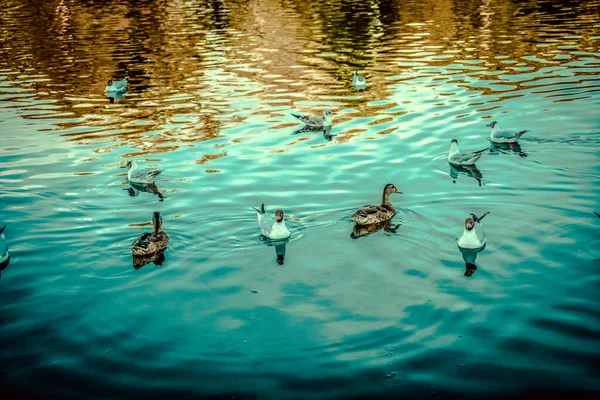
112	96
134	189
470	256
365	230
505	148
279	247
158	259
468	170
325	130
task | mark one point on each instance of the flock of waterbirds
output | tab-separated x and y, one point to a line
367	219
150	246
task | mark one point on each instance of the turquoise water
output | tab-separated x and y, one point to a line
212	85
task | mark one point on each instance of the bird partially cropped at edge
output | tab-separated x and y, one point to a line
473	236
457	157
151	243
359	82
498	136
140	175
317	122
4	255
272	229
368	214
117	86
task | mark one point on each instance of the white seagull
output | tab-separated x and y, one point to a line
473	236
140	175
4	256
273	229
457	157
358	82
498	136
317	122
117	86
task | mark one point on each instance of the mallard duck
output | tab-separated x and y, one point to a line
358	82
151	243
117	86
272	229
498	136
460	158
473	236
368	215
4	255
140	175
317	122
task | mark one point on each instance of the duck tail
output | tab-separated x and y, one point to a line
478	219
598	215
262	209
522	132
2	230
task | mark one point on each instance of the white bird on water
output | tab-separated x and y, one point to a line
4	255
117	86
317	122
273	229
473	236
140	175
359	82
498	136
460	158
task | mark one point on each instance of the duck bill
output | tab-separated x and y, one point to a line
489	125
123	166
397	191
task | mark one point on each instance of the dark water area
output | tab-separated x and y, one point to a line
351	314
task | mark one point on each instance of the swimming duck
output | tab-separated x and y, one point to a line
460	158
368	215
117	86
4	255
473	236
140	175
151	243
318	122
498	136
275	230
358	82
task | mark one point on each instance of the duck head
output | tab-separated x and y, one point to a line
453	146
327	113
127	165
278	216
358	77
492	124
390	188
469	223
156	221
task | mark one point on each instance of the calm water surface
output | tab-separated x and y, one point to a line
212	85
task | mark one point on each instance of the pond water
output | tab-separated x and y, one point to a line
211	88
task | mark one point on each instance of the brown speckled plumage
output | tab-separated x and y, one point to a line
151	243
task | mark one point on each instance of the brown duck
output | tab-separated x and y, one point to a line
368	215
151	244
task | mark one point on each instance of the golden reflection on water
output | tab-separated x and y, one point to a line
197	68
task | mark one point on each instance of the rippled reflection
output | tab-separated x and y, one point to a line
134	189
140	261
278	245
469	257
365	230
212	84
467	170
